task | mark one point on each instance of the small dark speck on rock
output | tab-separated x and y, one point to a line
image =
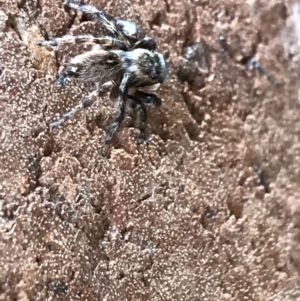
210	213
181	188
58	287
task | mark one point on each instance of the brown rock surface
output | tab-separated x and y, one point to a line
209	211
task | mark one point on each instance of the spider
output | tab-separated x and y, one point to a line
125	61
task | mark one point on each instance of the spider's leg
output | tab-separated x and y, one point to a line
252	62
140	121
146	43
148	98
85	102
119	107
139	100
106	43
70	71
141	113
106	20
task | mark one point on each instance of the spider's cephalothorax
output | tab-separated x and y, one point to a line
125	61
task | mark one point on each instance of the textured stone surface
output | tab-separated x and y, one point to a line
209	211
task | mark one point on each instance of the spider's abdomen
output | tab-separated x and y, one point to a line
96	66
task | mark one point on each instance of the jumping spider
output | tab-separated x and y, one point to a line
125	61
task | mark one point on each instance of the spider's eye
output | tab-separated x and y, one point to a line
129	29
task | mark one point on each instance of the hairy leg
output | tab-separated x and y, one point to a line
70	71
148	98
121	29
135	105
139	100
105	19
119	107
140	112
85	102
144	137
106	43
146	43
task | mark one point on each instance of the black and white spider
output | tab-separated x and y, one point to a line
125	61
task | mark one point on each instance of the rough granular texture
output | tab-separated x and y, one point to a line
208	211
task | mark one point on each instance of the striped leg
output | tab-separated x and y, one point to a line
85	102
140	121
106	43
120	107
118	28
106	20
146	43
148	98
